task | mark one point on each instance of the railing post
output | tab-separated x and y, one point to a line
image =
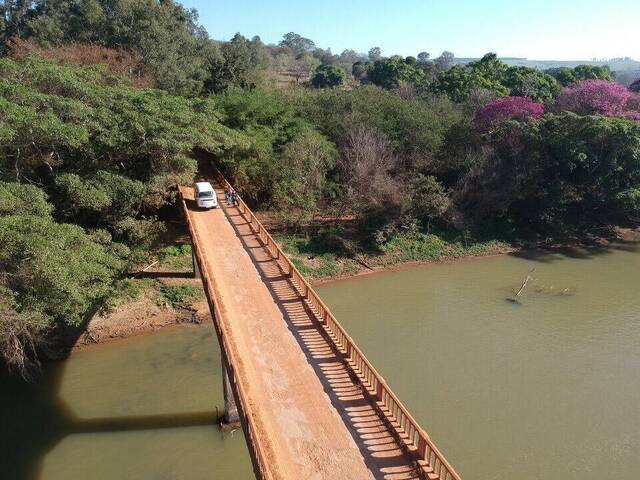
422	447
379	389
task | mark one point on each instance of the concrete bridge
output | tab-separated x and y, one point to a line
310	403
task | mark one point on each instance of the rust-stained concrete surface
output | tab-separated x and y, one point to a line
314	421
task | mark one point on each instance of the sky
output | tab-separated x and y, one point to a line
535	29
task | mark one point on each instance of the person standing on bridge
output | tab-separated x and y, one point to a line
227	195
234	198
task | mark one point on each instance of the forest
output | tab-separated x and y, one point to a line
104	105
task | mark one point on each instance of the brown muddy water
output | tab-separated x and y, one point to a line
545	388
141	409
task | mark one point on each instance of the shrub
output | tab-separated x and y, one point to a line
629	200
20	199
328	76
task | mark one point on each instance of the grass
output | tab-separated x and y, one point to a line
181	296
411	247
175	257
129	290
318	258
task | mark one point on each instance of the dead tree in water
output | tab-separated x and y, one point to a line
525	282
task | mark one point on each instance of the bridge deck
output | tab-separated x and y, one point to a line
312	417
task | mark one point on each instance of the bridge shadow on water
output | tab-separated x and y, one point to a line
34	419
379	448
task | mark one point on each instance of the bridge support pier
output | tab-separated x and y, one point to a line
196	269
231	415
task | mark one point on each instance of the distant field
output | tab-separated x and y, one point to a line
285	78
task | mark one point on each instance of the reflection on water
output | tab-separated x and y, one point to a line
143	408
545	388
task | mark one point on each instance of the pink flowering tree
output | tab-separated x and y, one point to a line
633	108
508	108
594	97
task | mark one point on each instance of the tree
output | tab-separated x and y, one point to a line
388	73
490	68
593	72
635	86
591	97
360	71
20	199
328	76
415	129
367	161
301	178
567	76
460	81
239	59
303	65
564	172
167	35
351	56
445	61
82	121
52	273
508	108
297	43
530	82
489	73
118	61
271	124
14	20
429	198
375	54
564	75
423	57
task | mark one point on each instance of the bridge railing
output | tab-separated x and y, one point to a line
407	428
259	457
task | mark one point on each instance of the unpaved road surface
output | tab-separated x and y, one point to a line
312	417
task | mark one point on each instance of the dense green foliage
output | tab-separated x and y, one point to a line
327	76
566	76
562	173
406	158
489	73
165	33
85	163
280	147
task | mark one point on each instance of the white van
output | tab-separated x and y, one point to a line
205	195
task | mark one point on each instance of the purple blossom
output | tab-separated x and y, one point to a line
633	104
508	108
594	97
631	115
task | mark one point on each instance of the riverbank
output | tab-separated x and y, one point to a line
166	295
161	295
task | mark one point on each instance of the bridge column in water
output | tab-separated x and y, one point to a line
196	268
231	415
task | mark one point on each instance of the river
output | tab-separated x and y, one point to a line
547	388
142	408
543	388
